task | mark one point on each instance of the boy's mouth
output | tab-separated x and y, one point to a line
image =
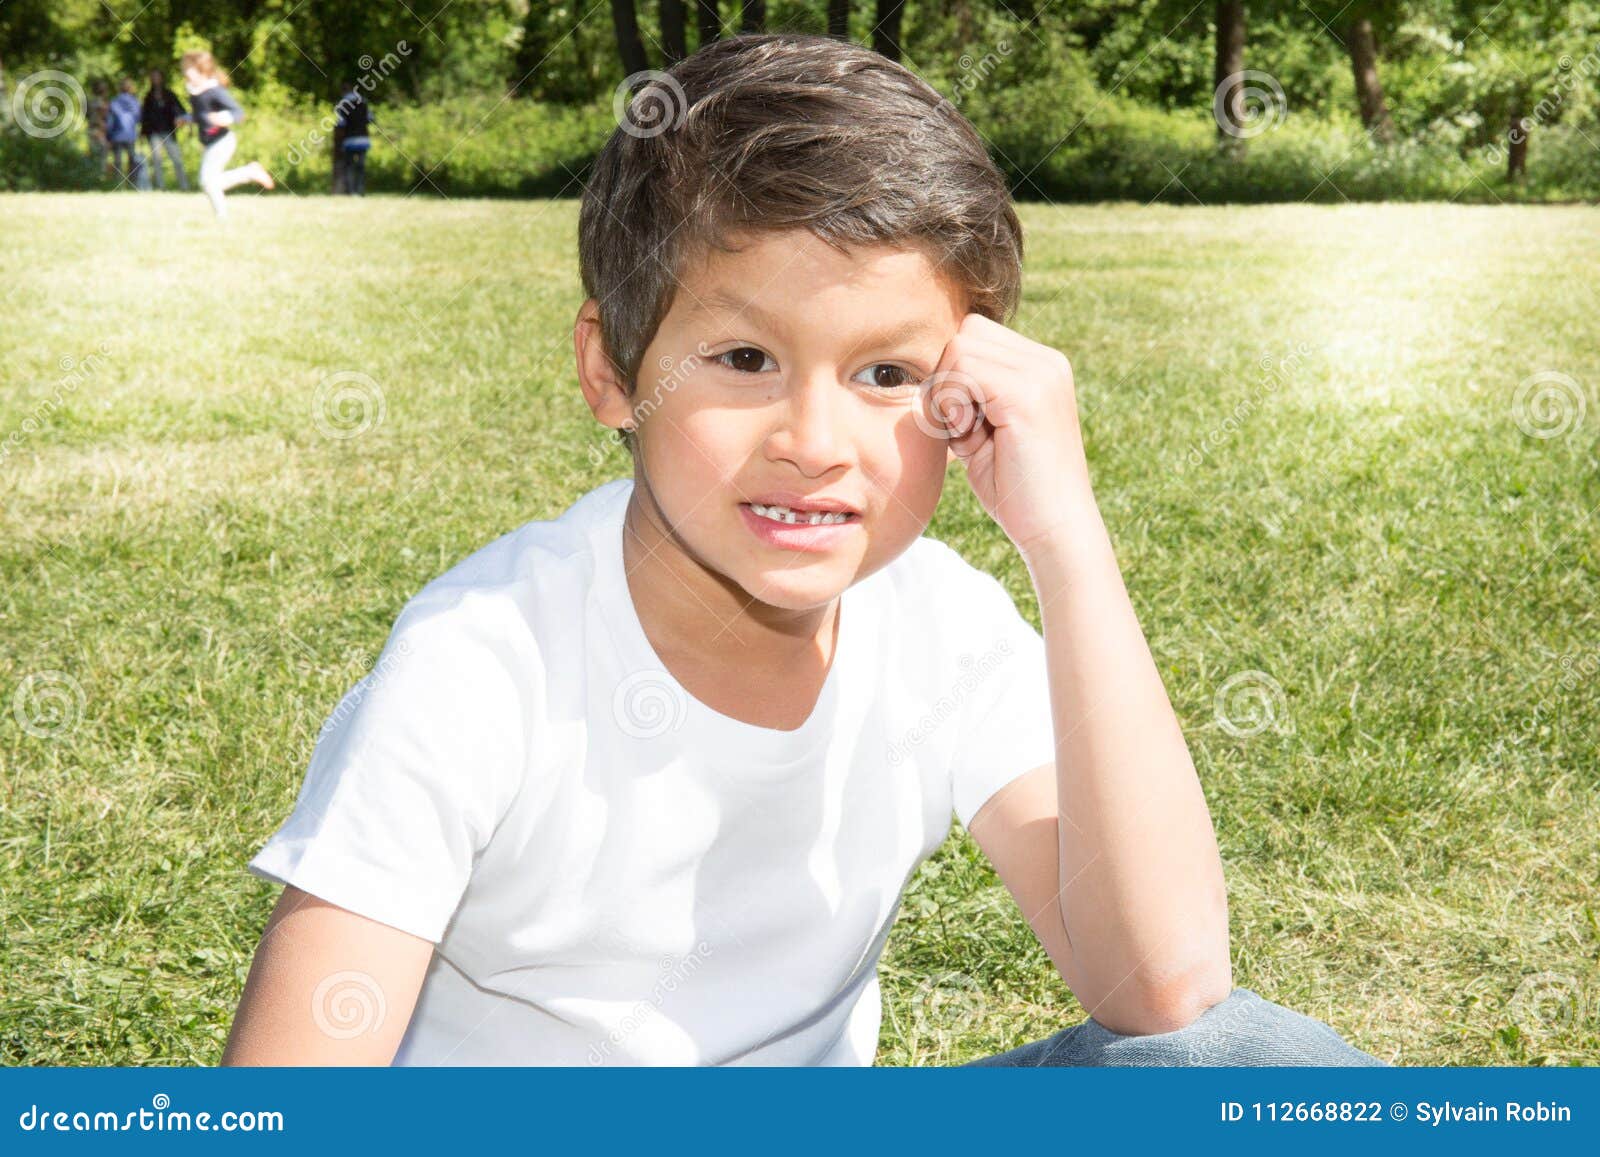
796	509
797	527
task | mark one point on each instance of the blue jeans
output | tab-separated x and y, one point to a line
355	172
1244	1029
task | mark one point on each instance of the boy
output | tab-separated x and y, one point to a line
643	784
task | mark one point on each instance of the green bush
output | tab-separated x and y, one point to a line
29	163
470	147
1054	134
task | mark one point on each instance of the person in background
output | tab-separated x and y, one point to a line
122	130
213	109
159	119
351	117
95	116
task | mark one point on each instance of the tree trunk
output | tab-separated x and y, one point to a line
629	46
709	18
1517	154
839	19
1229	106
534	48
1363	46
674	32
753	16
886	28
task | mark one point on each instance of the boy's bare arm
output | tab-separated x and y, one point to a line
327	987
1125	848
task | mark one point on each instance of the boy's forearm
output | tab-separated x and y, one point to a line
1142	894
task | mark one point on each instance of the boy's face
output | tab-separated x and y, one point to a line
789	367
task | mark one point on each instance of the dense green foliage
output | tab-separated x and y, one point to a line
1083	101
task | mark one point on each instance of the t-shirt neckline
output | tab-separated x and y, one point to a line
724	739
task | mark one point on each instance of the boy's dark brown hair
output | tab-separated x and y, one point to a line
765	132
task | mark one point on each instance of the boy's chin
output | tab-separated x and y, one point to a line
799	588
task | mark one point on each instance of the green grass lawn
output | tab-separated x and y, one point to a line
1370	588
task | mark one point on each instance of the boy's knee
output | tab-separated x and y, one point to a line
1247	1029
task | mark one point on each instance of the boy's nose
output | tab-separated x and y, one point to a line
814	425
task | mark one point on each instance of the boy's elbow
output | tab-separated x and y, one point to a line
1151	1003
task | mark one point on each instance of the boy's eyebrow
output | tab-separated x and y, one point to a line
905	330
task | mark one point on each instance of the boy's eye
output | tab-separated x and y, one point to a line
747	360
889	377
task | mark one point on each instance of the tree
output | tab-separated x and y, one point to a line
674	31
1362	44
709	18
629	46
839	18
753	16
1229	105
1359	27
886	28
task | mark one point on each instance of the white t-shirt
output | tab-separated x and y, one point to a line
613	872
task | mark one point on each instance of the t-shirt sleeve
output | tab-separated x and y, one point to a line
1005	720
410	775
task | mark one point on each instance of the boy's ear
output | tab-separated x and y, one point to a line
603	384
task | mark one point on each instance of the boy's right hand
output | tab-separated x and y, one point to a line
327	987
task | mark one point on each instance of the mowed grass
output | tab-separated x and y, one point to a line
1371	592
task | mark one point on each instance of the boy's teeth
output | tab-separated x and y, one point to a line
784	514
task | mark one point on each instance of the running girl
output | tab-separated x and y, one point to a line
214	109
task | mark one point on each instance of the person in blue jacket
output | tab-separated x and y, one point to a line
122	130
